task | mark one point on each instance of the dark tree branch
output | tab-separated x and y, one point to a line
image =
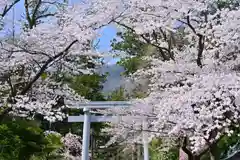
27	51
44	67
26	5
184	147
8	8
36	77
200	49
192	156
34	14
161	49
32	19
37	63
155	36
190	25
201	40
163	34
170	43
44	16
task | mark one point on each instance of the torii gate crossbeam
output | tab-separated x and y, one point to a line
87	118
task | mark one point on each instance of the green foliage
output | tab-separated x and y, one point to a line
129	44
134	49
226	143
139	94
10	143
53	143
44	76
50	151
223	148
159	152
227	3
130	64
22	139
117	95
89	86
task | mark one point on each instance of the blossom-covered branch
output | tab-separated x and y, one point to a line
201	100
55	46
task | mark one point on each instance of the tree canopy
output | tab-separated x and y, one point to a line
188	76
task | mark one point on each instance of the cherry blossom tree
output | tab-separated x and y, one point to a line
33	63
72	144
194	90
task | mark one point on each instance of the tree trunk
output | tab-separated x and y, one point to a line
211	156
190	155
182	155
195	158
187	155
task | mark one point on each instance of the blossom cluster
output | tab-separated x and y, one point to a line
72	144
196	93
32	63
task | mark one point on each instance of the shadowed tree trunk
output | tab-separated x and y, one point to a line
182	155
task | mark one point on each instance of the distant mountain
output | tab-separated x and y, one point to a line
114	80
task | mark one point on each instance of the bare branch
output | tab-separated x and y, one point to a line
185	149
200	49
27	51
34	14
26	5
201	40
190	25
8	8
45	15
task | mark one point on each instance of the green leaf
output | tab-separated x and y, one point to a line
44	76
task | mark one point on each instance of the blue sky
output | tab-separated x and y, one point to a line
104	45
108	32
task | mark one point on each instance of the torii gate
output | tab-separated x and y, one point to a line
87	118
